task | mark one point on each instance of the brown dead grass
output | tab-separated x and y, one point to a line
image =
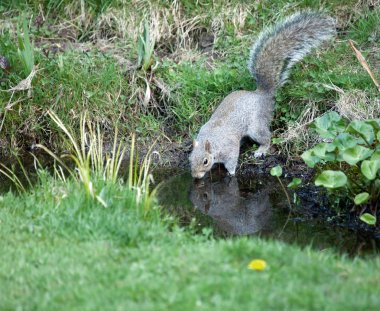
298	137
357	105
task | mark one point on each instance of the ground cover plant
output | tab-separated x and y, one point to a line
353	154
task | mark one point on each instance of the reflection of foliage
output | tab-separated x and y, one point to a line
354	149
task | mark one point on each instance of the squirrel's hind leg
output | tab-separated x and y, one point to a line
263	137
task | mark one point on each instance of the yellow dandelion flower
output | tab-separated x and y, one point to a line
257	264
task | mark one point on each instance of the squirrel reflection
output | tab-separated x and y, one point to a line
232	212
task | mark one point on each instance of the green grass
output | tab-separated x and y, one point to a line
186	84
59	253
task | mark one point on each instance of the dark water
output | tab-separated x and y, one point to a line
233	207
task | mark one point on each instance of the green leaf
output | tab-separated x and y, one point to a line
362	129
331	179
376	156
344	141
369	168
321	149
368	219
361	198
140	50
329	125
309	158
276	171
355	154
295	183
277	140
375	123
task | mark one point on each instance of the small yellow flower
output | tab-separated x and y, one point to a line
257	264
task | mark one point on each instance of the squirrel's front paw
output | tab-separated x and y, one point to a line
259	154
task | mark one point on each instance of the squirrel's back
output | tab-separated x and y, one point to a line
278	48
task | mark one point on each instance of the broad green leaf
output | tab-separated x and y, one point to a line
295	183
355	154
378	136
345	141
276	171
361	198
368	219
322	151
375	123
331	179
369	168
376	156
362	129
329	125
310	158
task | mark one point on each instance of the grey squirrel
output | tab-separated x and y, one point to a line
249	113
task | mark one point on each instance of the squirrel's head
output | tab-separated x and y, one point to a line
201	159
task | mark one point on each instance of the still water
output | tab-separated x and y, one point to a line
259	207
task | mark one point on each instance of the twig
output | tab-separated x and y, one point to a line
363	62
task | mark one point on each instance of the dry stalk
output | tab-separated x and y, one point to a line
364	63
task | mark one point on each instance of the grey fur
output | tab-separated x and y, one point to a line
278	48
233	213
245	113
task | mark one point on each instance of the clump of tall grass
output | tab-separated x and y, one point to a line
12	176
92	164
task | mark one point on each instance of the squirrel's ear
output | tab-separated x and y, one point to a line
208	146
195	143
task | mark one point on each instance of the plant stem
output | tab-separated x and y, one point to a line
286	193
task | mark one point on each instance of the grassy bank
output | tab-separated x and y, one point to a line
87	57
59	252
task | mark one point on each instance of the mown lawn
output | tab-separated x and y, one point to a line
60	252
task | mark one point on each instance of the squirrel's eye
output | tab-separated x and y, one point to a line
205	162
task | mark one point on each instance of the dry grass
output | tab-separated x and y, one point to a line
299	134
357	105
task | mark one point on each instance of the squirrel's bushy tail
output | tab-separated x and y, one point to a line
278	48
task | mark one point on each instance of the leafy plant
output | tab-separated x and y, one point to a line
368	219
277	172
25	47
145	47
353	148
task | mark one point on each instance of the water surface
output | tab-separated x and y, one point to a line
258	207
